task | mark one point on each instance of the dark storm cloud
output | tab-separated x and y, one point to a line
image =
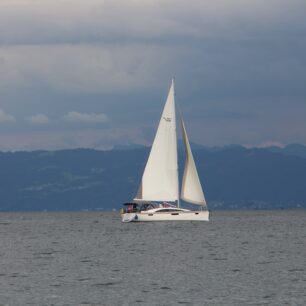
239	67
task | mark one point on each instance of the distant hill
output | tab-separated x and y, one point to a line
291	149
232	177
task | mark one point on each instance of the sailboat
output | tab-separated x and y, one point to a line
158	197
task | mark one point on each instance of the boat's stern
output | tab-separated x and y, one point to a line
129	212
129	217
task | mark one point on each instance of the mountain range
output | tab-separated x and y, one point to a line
86	179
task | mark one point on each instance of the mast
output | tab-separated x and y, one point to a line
174	97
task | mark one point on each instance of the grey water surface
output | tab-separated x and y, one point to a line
91	258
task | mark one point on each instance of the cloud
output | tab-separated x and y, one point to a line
101	139
83	68
105	46
239	65
39	119
268	144
113	21
6	118
86	117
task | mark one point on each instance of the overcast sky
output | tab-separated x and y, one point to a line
95	73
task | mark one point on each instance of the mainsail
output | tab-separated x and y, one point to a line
160	178
191	187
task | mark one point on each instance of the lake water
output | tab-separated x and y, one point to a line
91	258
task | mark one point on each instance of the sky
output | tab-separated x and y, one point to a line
96	73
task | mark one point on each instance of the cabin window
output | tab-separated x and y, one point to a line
168	210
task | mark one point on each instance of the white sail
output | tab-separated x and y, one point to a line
160	178
191	187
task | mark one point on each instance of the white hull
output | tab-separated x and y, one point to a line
145	216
